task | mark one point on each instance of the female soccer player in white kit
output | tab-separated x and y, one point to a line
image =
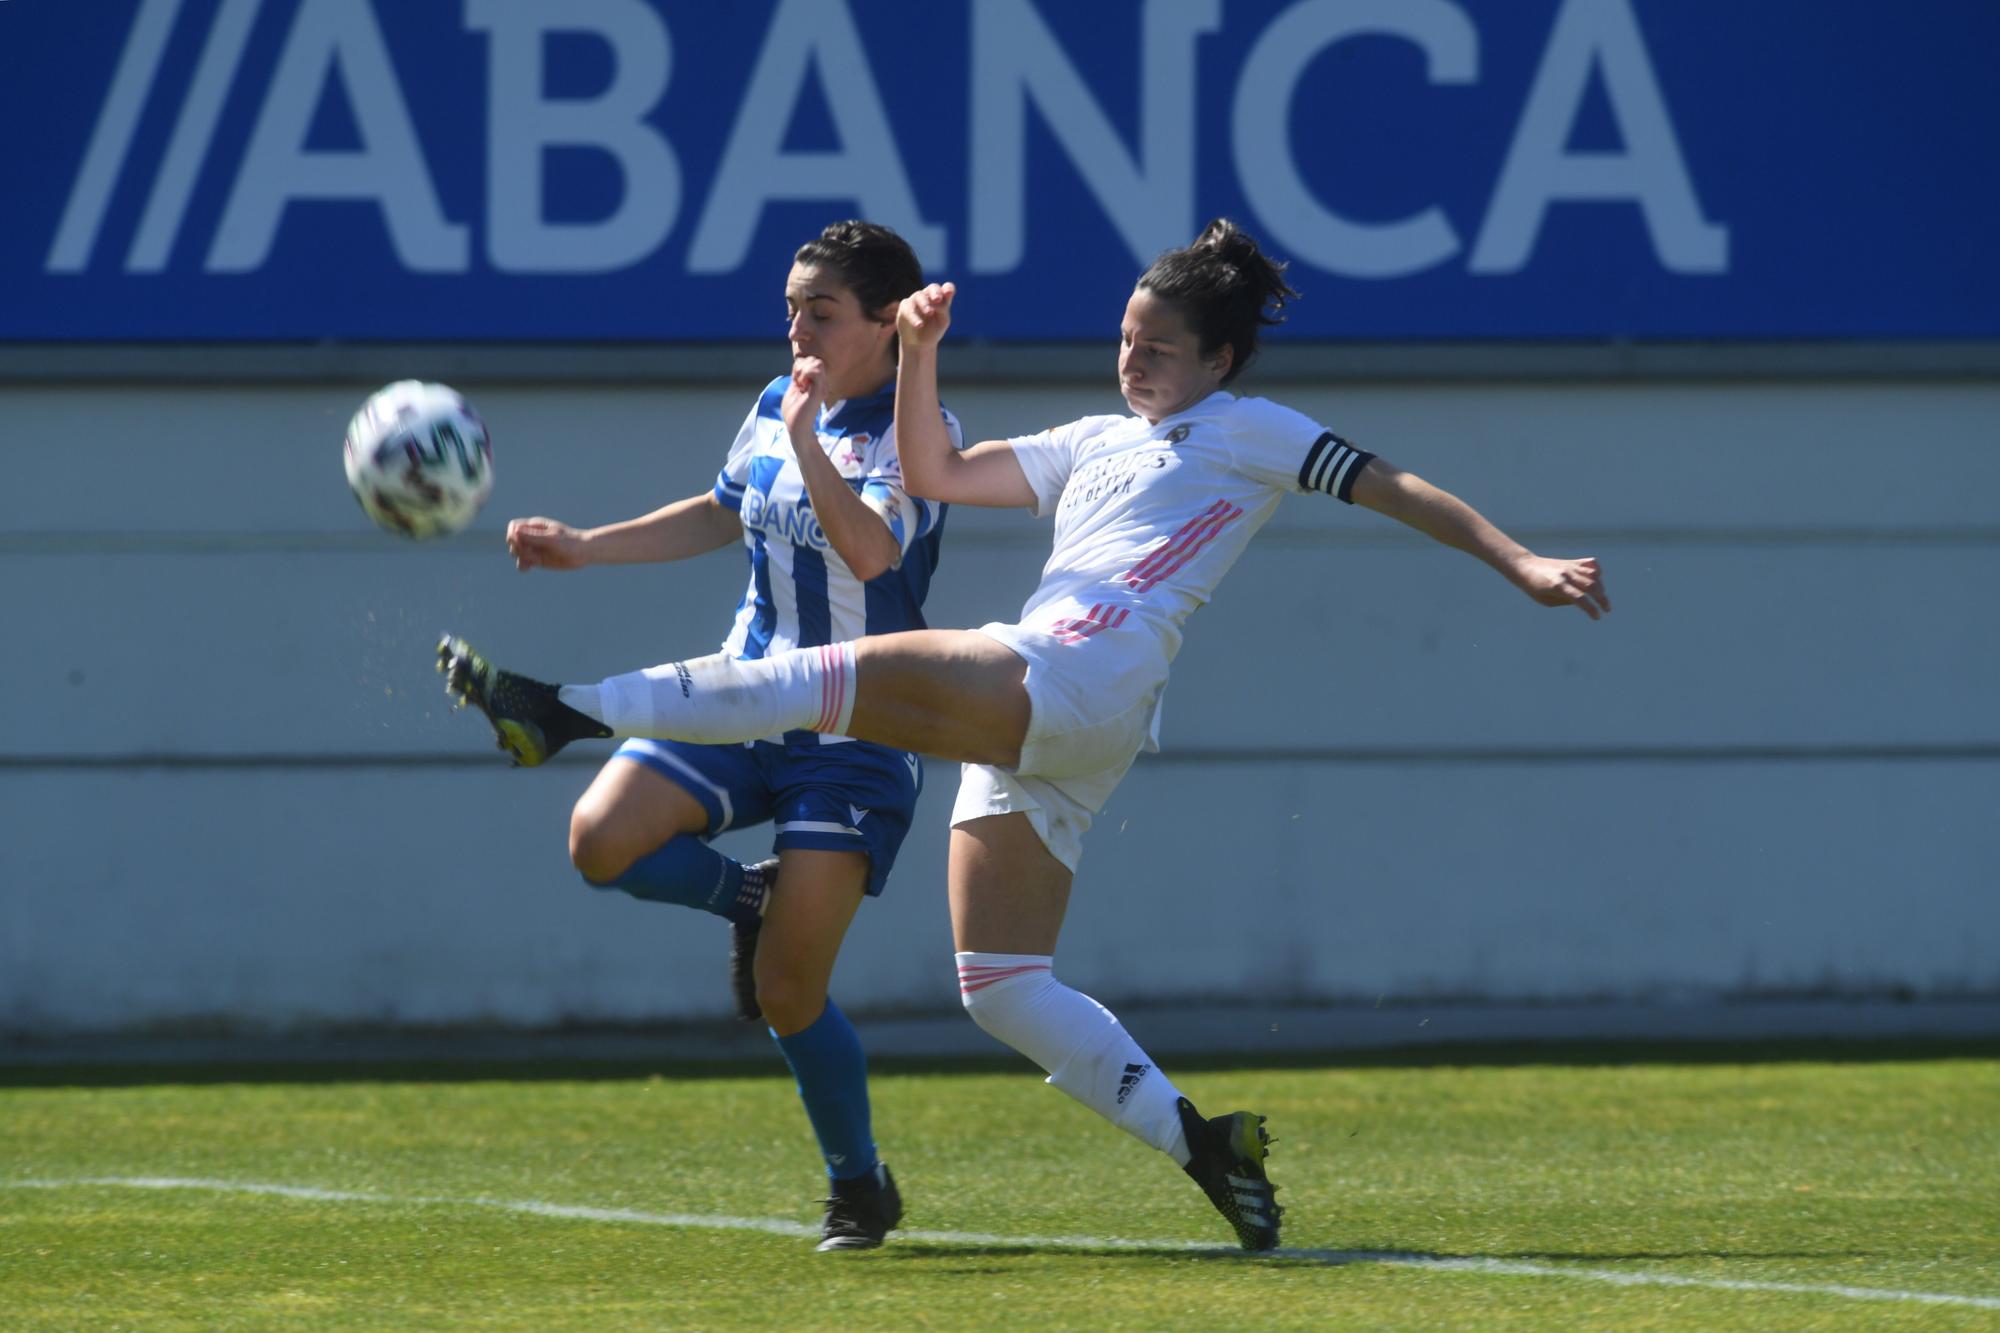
1048	713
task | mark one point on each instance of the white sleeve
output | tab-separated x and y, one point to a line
1289	451
735	474
1047	459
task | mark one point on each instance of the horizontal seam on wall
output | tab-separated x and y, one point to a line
1442	756
483	542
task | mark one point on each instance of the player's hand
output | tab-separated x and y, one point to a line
925	314
543	543
804	395
1577	583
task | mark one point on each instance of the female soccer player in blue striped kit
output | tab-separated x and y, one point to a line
838	549
1048	713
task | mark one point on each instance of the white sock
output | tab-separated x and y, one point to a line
1085	1049
719	699
585	699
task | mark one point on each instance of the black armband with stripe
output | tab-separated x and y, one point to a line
1331	465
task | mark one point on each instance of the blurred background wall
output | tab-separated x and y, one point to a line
1751	367
234	790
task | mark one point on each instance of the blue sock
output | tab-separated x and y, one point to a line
832	1071
687	871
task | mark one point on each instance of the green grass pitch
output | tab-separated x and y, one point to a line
1829	1187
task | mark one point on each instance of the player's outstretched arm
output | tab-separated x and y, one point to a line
1442	516
985	474
693	526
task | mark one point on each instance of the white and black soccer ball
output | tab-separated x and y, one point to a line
418	459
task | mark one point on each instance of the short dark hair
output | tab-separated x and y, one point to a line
1221	285
873	262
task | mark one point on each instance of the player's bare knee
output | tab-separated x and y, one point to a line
594	852
789	1004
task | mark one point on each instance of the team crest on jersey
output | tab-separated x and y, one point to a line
847	455
1178	433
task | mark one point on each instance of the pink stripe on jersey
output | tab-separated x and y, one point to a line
1182	547
1214	530
1159	554
975	977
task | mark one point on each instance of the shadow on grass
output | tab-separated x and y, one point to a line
1640	1256
550	1058
932	1253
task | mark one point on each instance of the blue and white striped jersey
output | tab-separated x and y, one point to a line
801	593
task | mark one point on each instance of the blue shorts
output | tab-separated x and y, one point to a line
850	797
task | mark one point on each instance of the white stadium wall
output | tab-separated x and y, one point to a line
232	796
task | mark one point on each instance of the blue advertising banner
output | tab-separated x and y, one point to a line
626	171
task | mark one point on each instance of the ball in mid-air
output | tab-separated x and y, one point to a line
418	459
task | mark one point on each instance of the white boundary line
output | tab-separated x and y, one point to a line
779	1227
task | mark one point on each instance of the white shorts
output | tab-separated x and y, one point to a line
1090	714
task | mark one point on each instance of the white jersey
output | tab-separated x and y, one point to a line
1149	517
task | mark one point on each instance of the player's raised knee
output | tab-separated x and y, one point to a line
597	855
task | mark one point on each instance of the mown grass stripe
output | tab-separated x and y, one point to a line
778	1226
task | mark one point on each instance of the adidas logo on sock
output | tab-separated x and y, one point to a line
1130	1080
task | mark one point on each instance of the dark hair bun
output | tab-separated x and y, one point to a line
1227	287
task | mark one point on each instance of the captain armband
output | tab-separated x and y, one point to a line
1331	465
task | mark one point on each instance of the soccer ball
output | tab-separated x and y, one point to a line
418	459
